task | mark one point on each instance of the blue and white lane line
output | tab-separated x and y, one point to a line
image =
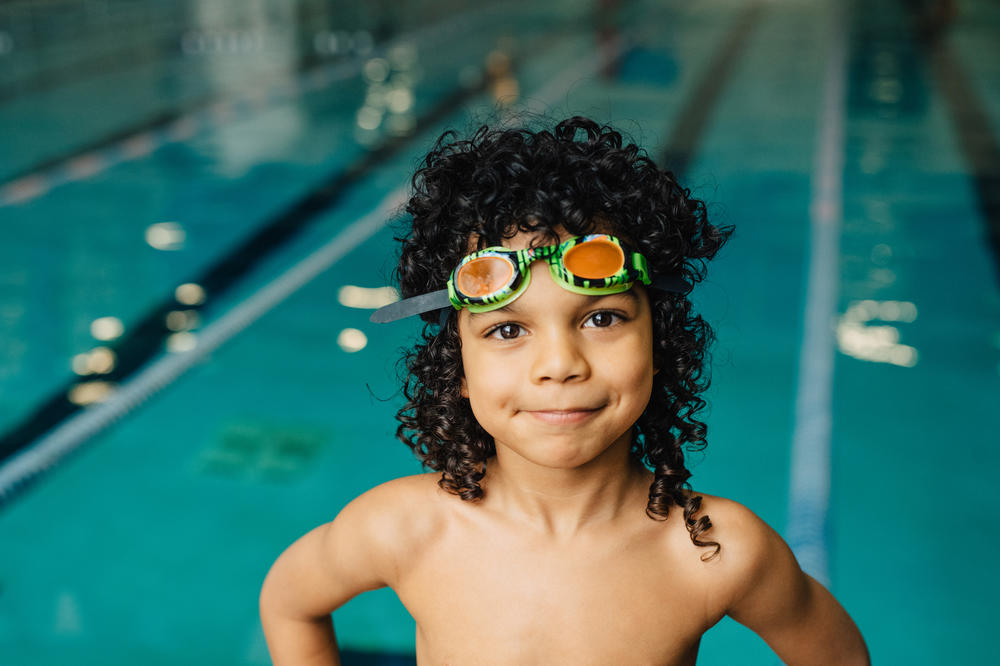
54	446
219	113
809	486
45	453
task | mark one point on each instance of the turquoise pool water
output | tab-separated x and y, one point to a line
148	543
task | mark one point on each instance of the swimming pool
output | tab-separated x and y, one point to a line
179	228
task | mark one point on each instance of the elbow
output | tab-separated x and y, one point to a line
266	600
858	657
270	601
861	656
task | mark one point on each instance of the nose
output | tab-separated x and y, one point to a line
559	357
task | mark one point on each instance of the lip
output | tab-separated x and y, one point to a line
569	416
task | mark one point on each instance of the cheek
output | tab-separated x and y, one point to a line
484	378
639	385
491	400
491	383
632	370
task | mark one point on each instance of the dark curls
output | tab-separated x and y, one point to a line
582	178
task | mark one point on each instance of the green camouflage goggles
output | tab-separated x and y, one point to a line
489	279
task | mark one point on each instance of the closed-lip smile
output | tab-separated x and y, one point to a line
567	416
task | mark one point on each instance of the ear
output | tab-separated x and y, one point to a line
464	387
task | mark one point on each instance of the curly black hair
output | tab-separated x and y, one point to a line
579	177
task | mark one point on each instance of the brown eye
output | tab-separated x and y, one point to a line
506	331
602	319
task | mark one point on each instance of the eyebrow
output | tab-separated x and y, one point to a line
630	294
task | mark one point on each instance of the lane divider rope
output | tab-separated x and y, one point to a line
27	465
810	468
214	115
54	446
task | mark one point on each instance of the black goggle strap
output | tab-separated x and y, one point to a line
674	283
412	306
438	300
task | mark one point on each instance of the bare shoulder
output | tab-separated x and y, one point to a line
361	549
398	515
418	488
747	547
737	529
757	581
398	506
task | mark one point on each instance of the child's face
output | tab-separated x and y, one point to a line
558	378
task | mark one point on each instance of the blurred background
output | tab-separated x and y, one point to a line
197	205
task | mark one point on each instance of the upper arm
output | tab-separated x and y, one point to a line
336	561
770	594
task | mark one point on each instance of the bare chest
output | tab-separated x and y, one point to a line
514	601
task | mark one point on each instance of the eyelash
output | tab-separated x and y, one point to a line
617	318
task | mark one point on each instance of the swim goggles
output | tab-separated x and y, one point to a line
489	279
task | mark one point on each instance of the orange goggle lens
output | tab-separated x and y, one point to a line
594	260
484	276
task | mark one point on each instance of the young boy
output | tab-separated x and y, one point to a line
554	395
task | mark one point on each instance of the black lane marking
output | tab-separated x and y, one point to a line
154	122
682	146
145	338
976	138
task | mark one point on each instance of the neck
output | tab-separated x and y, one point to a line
561	502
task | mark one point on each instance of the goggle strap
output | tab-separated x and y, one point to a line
671	283
438	300
411	306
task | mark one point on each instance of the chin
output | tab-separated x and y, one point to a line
563	455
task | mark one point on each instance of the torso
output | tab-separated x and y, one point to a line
485	591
